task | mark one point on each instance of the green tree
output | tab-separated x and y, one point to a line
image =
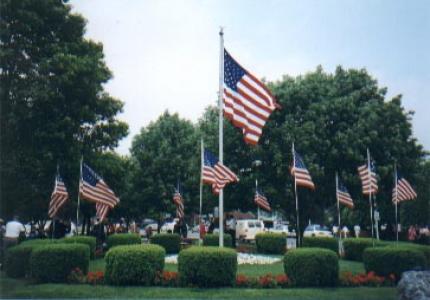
53	105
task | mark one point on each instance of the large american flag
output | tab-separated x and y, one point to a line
215	173
177	199
404	190
248	103
369	182
261	200
93	188
343	196
58	197
301	174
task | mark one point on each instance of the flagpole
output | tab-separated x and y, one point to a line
370	193
202	158
55	187
256	191
395	203
79	198
297	200
221	119
338	214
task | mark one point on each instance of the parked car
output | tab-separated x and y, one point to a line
247	229
317	231
279	228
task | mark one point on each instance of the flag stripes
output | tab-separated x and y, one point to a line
101	211
300	173
177	199
58	197
343	196
368	178
261	201
215	173
404	191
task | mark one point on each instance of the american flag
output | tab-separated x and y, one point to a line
93	188
301	174
261	200
215	173
101	211
404	190
248	103
343	196
367	175
177	199
58	197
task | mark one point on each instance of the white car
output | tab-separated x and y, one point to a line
280	228
247	229
317	231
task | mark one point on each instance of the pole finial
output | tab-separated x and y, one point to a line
221	30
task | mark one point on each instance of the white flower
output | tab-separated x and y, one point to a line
242	258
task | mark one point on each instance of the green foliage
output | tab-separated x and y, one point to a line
53	263
422	248
207	266
88	240
271	243
392	260
312	267
122	239
213	240
170	242
322	242
134	264
354	247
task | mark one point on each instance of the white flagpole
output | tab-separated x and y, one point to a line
369	171
297	200
201	186
79	198
338	213
258	207
221	120
395	203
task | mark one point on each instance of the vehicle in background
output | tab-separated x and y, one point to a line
314	230
247	229
143	230
168	226
279	228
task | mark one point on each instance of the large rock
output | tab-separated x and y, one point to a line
414	285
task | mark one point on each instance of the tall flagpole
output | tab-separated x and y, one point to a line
338	213
256	191
221	120
369	171
79	197
201	186
297	199
55	187
395	203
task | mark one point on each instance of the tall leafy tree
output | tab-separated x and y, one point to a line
53	105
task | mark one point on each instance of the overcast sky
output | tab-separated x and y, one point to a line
164	54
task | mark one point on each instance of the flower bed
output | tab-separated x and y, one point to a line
242	258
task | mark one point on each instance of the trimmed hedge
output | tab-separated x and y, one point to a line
122	239
312	267
213	240
82	239
271	243
53	263
207	266
354	247
392	260
17	258
170	242
134	264
322	242
423	248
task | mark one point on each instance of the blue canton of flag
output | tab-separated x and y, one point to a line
301	174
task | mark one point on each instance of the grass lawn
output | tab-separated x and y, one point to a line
11	288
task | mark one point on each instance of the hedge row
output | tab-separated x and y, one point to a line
122	239
354	247
82	239
271	243
322	242
170	242
213	240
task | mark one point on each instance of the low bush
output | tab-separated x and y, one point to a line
312	267
54	263
207	266
213	240
271	243
17	258
423	248
134	264
392	260
170	242
322	242
82	239
122	239
354	247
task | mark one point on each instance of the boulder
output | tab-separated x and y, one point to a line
414	285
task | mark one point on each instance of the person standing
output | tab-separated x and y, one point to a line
412	233
14	229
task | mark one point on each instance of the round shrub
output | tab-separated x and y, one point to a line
122	239
392	260
82	239
207	266
322	242
53	263
312	267
354	247
271	243
170	242
423	248
134	264
213	240
17	258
